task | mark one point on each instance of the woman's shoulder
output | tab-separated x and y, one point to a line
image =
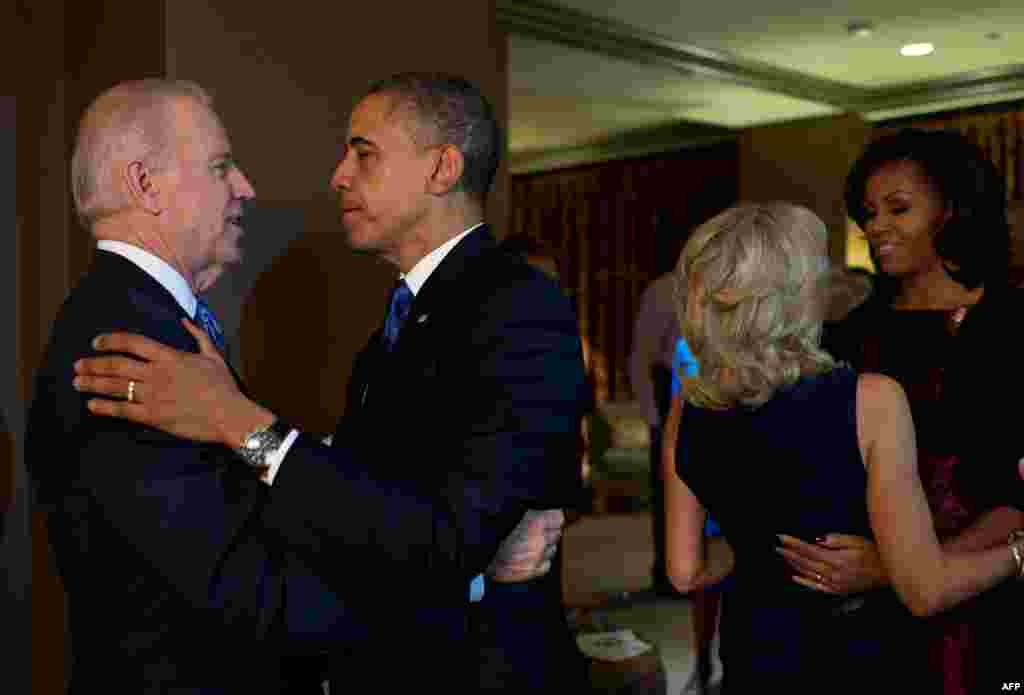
879	388
815	397
882	413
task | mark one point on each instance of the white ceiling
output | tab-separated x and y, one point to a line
585	72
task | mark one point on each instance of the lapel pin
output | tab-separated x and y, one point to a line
422	318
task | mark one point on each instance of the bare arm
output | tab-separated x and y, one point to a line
927	578
844	564
988	531
692	563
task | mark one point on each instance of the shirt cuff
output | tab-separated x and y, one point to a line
275	459
476	588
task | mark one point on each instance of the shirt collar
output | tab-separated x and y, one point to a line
157	268
416	277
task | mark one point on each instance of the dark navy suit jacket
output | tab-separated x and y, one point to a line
482	399
185	573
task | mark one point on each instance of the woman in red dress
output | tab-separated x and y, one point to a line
943	323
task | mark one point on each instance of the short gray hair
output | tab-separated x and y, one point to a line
129	120
754	276
450	110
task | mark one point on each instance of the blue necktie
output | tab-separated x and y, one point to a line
401	301
208	320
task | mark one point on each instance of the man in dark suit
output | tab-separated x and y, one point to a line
185	571
473	388
487	368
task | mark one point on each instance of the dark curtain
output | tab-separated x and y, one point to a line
613	228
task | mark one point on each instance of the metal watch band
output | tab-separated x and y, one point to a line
260	443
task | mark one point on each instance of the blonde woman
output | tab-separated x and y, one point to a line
776	439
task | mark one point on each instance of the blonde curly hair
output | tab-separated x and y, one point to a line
750	299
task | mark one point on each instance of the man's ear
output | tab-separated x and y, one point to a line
448	170
143	188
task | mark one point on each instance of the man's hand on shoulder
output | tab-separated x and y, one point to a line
190	395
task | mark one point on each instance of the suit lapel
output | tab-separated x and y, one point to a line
432	298
365	366
120	272
445	279
160	303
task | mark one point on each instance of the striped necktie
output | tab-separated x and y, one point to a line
208	320
398	311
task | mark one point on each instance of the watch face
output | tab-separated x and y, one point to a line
258	445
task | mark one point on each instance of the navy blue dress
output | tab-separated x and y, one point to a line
792	466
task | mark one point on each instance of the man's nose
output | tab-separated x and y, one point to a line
342	177
243	187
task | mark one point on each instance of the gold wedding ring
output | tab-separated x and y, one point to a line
131	391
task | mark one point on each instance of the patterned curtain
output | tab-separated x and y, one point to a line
613	228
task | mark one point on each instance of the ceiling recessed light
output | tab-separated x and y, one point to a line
860	29
917	49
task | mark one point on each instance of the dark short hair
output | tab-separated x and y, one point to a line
450	110
974	244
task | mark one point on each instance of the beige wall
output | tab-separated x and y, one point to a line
804	162
284	77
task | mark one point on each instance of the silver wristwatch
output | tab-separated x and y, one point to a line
261	443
